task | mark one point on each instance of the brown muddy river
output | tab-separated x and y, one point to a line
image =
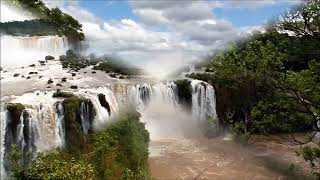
201	158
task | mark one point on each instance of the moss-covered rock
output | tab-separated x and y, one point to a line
49	57
62	94
74	137
14	111
73	87
184	92
104	103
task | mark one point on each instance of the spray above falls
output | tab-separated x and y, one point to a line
22	50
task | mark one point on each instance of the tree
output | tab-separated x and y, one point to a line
303	20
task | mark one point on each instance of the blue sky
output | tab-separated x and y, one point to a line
240	16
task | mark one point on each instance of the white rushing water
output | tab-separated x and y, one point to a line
17	51
203	101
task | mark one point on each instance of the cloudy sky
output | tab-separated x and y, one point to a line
173	32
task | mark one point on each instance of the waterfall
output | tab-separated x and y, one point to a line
101	113
17	50
139	96
3	124
41	125
22	132
30	134
60	128
162	93
203	101
85	117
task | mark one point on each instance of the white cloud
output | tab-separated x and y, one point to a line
249	4
191	30
9	13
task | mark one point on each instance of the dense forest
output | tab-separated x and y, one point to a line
49	22
270	83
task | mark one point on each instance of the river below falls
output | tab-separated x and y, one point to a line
201	158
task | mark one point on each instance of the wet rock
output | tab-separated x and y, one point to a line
60	85
74	87
64	79
59	93
16	75
104	103
93	72
73	74
42	63
50	81
28	77
40	77
32	65
15	110
0	68
84	72
121	77
113	75
184	92
33	72
22	76
73	133
5	71
49	57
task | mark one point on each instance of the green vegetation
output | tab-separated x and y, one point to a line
74	136
51	21
270	83
109	65
62	94
119	151
37	27
260	88
184	92
75	61
15	110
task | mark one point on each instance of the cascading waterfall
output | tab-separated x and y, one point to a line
85	117
139	96
203	102
30	134
16	50
41	126
4	118
60	128
101	113
162	93
23	132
